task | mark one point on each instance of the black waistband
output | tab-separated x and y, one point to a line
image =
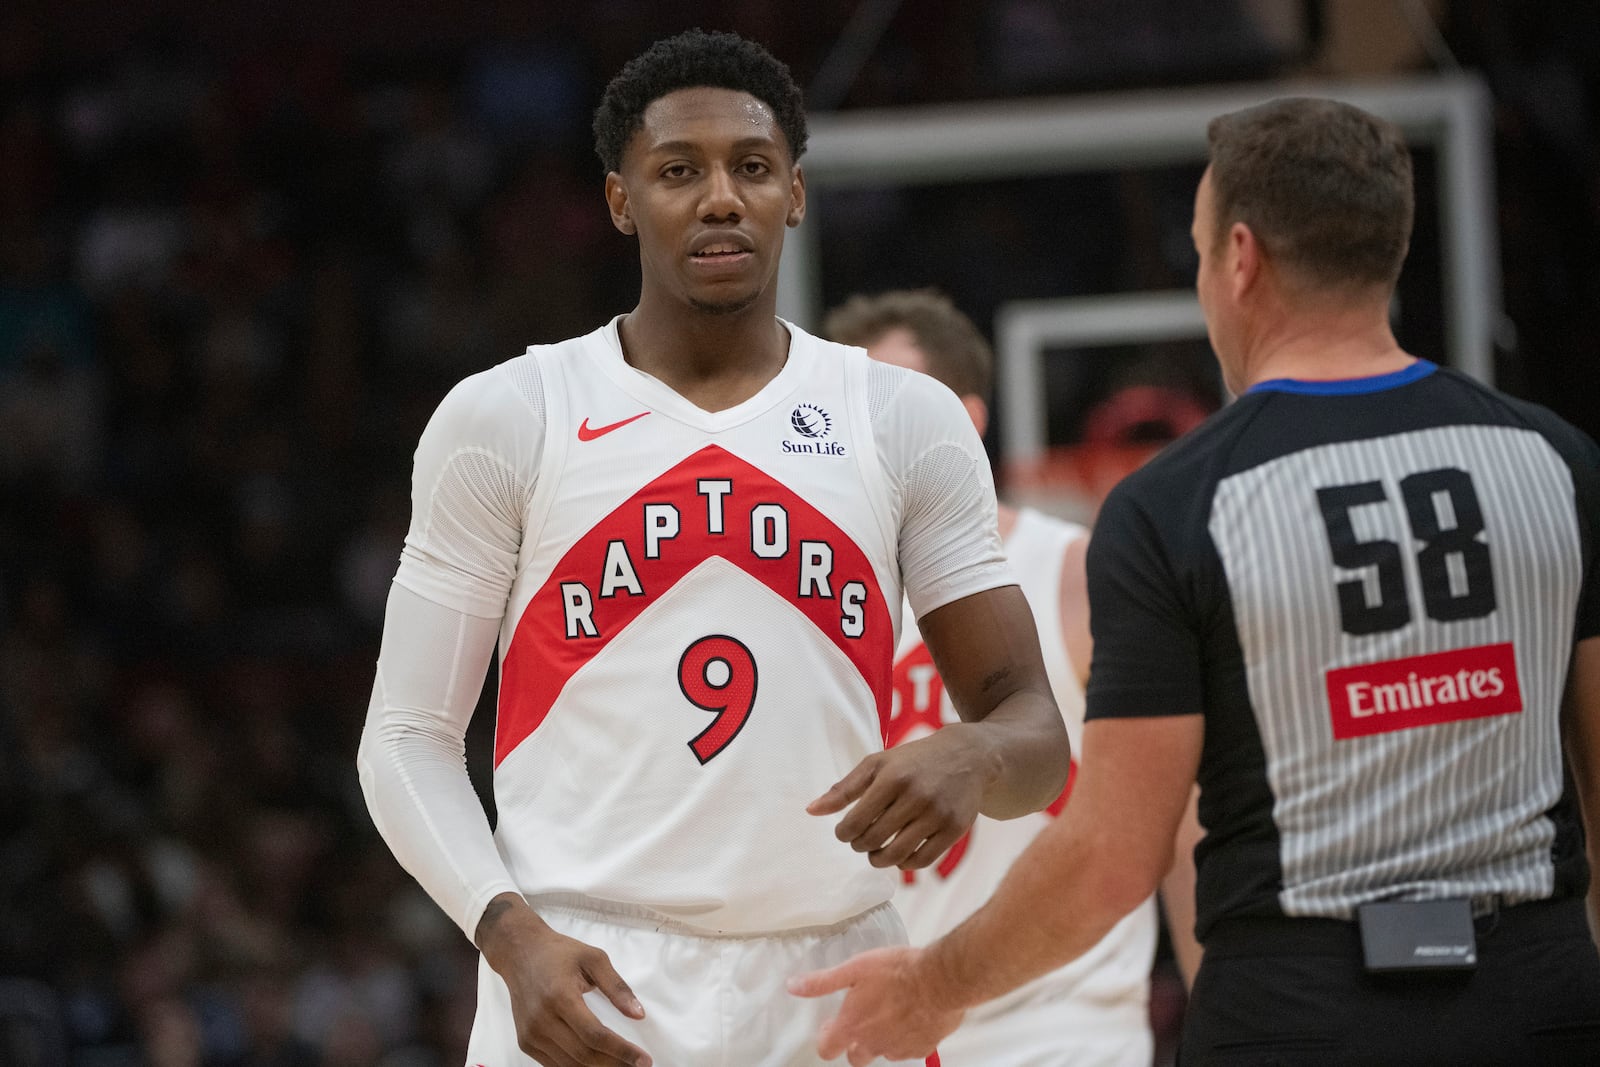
1338	937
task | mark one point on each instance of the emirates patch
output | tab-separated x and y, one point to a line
1399	694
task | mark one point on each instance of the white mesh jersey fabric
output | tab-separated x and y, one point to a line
1105	989
883	382
929	448
473	473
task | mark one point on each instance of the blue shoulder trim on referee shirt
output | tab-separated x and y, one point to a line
1347	386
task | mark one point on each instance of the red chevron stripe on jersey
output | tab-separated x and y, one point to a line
711	504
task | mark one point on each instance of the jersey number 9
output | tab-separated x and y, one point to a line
718	674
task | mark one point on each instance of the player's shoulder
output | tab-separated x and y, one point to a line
592	348
887	385
849	365
891	387
521	375
510	396
489	397
829	352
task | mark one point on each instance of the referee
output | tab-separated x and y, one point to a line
1361	606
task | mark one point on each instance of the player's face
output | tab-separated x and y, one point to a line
707	185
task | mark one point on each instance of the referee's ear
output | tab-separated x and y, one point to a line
1246	261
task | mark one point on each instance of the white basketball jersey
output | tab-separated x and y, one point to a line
935	900
698	637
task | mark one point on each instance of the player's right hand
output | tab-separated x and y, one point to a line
909	804
547	974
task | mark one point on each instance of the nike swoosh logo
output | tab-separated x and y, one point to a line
588	433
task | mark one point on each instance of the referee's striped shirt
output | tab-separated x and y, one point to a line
1371	589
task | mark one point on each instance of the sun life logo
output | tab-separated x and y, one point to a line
811	421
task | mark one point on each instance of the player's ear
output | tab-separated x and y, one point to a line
797	197
617	201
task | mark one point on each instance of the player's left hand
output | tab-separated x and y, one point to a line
889	1009
912	802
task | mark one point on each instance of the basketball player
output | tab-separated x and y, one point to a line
690	532
1094	1011
1362	603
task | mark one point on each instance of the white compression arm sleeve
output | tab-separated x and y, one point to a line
412	759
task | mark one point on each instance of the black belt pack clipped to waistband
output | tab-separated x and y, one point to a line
1418	935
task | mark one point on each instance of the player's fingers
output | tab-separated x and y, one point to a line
927	853
604	1047
927	842
901	813
863	813
860	1057
574	1036
550	1052
846	789
597	1045
911	837
551	1056
598	970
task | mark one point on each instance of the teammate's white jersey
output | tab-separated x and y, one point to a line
699	612
1108	987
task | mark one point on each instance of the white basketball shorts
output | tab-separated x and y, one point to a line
709	1000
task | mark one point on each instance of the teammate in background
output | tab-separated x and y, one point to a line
690	532
1362	603
1094	1012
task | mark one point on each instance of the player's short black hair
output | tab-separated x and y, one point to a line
690	60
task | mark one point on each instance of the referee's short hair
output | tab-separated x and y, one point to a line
956	352
1324	186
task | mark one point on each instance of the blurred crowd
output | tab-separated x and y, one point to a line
234	281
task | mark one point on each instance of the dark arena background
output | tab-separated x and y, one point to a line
245	250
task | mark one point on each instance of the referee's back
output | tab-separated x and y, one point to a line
1389	574
1373	580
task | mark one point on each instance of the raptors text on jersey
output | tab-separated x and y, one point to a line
711	504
